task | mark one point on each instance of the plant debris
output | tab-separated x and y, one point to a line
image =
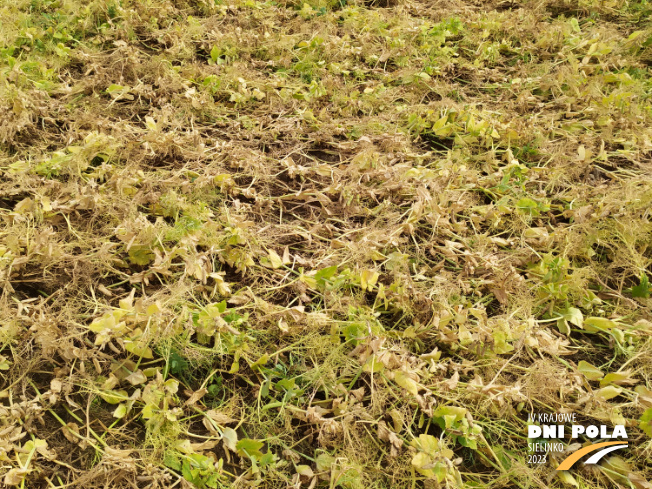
322	243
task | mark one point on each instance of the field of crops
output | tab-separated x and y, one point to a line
323	243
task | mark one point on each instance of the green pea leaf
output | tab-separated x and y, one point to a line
643	289
249	447
589	371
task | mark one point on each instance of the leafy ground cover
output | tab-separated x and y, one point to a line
322	243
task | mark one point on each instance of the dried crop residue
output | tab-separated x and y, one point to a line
321	243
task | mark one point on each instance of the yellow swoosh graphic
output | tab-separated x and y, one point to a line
570	460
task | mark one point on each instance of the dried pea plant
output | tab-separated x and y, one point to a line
322	243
